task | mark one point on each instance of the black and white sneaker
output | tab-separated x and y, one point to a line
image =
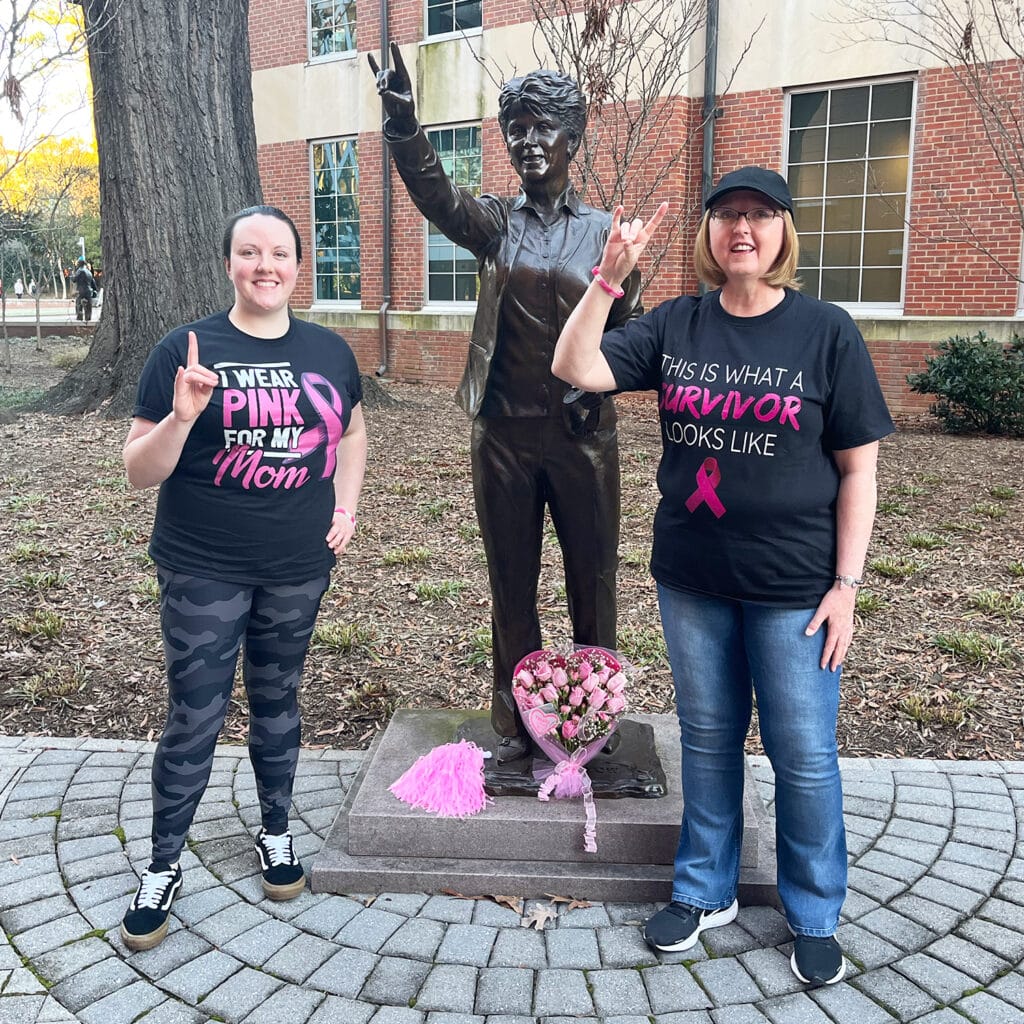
679	925
145	922
817	961
283	877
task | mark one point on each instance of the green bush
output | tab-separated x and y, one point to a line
979	384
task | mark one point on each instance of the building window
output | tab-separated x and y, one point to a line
336	219
444	16
332	27
451	270
848	160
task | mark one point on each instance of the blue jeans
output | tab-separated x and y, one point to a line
720	650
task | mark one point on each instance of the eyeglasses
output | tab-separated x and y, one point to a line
761	217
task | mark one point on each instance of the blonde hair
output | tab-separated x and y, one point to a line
782	273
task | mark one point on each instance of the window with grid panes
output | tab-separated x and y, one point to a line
848	157
335	219
332	27
451	269
444	16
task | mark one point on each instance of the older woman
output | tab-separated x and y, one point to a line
259	452
771	416
530	450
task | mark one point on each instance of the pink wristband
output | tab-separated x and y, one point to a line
350	516
615	293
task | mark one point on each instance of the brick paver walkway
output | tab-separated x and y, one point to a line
933	925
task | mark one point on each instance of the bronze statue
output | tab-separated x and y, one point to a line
534	444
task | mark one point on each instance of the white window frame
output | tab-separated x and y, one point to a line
868	309
351	303
457	33
454	304
315	57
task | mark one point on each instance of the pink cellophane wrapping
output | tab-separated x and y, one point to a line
448	781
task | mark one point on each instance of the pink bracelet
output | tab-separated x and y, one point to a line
615	293
350	516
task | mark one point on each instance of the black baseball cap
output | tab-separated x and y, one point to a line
753	179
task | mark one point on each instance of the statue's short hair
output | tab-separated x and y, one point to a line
546	92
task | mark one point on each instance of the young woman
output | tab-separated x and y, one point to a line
250	423
771	416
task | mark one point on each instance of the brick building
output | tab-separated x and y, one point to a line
894	181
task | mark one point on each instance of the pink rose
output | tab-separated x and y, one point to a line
604	675
549	693
559	678
524	677
576	696
589	684
542	671
584	669
519	692
569	729
616	704
597	699
534	700
565	709
617	683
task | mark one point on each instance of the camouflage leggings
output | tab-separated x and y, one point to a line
205	623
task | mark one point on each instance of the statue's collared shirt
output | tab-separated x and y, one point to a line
520	382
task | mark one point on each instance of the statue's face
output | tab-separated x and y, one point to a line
538	147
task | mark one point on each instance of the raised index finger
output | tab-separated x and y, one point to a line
373	64
193	349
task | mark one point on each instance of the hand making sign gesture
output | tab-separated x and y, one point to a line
394	87
193	384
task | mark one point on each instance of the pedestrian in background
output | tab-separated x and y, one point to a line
85	290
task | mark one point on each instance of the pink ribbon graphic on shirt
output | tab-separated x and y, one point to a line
708	478
328	432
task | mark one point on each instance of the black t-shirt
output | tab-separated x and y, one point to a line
751	409
252	496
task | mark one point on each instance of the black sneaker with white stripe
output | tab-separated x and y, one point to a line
817	961
679	925
283	877
145	922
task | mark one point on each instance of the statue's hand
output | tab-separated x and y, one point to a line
395	88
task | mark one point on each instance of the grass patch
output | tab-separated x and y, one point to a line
123	533
468	531
402	489
1003	493
46	579
643	645
443	590
996	602
30	551
961	527
1017	569
433	511
40	622
636	558
928	479
989	509
344	636
479	647
16	397
892	507
22	502
407	556
868	603
56	682
69	358
943	709
149	588
895	568
976	648
908	490
925	541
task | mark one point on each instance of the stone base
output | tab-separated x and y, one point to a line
519	845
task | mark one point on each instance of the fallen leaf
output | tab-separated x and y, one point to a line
539	917
512	902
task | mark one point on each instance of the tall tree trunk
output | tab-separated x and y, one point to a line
177	156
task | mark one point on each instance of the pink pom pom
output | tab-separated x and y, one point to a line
448	780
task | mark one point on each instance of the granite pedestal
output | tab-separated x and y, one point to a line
519	845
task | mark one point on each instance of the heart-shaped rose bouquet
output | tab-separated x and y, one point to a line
570	705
